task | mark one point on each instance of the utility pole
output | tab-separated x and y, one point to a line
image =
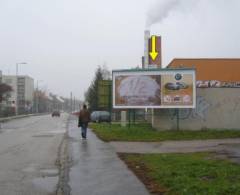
37	95
71	102
74	101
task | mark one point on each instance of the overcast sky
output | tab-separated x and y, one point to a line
63	41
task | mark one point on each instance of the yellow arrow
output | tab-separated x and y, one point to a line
153	52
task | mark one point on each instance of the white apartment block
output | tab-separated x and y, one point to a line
23	88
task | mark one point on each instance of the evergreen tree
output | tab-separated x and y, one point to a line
91	96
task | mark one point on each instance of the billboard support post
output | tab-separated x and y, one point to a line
134	116
123	118
110	102
152	117
177	113
129	118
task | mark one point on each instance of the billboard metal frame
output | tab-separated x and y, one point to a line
155	71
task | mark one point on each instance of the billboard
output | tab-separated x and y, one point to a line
154	88
104	94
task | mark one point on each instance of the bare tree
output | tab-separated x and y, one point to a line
4	91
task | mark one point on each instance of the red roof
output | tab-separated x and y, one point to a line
221	69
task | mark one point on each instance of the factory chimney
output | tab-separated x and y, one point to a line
146	48
157	62
147	61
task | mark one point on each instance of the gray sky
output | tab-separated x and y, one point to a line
63	41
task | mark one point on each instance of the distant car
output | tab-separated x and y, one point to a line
56	113
100	116
176	86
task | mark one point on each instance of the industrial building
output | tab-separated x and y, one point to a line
217	94
218	69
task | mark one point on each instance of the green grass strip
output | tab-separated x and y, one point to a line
144	132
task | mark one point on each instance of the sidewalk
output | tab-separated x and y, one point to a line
96	169
224	148
174	146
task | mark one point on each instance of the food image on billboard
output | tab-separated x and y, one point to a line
138	90
177	89
154	88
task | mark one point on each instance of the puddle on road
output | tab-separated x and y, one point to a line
48	184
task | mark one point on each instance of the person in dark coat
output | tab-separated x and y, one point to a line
83	120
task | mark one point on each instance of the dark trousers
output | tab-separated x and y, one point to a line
84	130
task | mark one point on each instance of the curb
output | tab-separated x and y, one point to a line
63	162
5	119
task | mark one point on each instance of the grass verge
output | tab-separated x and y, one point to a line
144	132
184	174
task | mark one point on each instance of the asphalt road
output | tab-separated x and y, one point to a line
28	154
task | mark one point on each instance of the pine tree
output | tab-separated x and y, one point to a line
91	96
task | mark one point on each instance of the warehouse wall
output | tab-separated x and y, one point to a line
217	108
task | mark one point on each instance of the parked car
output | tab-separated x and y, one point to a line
56	113
182	85
100	116
176	86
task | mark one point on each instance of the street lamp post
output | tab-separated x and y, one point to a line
16	103
37	97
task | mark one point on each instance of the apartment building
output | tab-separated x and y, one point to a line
23	91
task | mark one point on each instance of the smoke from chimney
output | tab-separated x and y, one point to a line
159	11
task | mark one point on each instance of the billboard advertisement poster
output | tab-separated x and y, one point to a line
154	88
104	94
177	89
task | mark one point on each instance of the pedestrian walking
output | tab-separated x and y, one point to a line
83	120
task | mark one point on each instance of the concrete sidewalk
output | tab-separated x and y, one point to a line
96	169
224	148
174	146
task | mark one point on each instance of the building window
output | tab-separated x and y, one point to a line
8	81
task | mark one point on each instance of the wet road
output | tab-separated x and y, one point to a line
28	154
96	169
